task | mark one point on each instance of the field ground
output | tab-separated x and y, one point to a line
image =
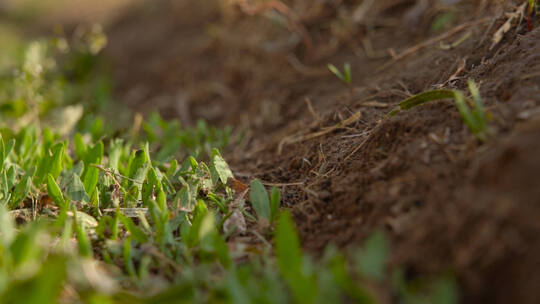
449	202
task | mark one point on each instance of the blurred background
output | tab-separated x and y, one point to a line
243	50
49	12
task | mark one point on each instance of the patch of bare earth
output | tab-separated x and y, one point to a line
447	201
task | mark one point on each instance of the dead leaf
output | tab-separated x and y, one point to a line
236	185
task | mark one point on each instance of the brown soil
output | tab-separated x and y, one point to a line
448	201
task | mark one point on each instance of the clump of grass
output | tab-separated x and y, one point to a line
345	76
473	113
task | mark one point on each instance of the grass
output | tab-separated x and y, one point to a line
532	6
94	212
472	112
345	76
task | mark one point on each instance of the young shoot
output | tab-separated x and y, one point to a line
473	115
473	112
532	6
344	76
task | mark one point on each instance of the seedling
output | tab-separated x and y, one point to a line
530	12
532	6
344	76
442	21
473	113
266	207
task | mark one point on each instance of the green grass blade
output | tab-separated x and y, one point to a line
290	260
275	200
479	112
115	151
259	200
91	180
75	189
7	227
2	153
336	72
94	155
222	169
424	97
339	270
83	242
56	161
45	287
465	112
54	192
347	74
161	200
532	4
80	147
138	164
5	149
373	257
51	163
21	190
133	229
128	261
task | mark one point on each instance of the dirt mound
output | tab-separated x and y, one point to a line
448	201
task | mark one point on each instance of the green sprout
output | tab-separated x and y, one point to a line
266	207
442	21
344	76
532	4
473	113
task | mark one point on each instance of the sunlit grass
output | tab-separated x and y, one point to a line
472	112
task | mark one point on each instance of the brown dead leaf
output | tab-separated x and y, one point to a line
237	185
44	201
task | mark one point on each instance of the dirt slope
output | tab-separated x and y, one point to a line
448	201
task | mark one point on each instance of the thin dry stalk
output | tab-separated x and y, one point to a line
445	35
282	184
460	69
374	104
300	138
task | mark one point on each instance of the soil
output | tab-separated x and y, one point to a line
447	200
